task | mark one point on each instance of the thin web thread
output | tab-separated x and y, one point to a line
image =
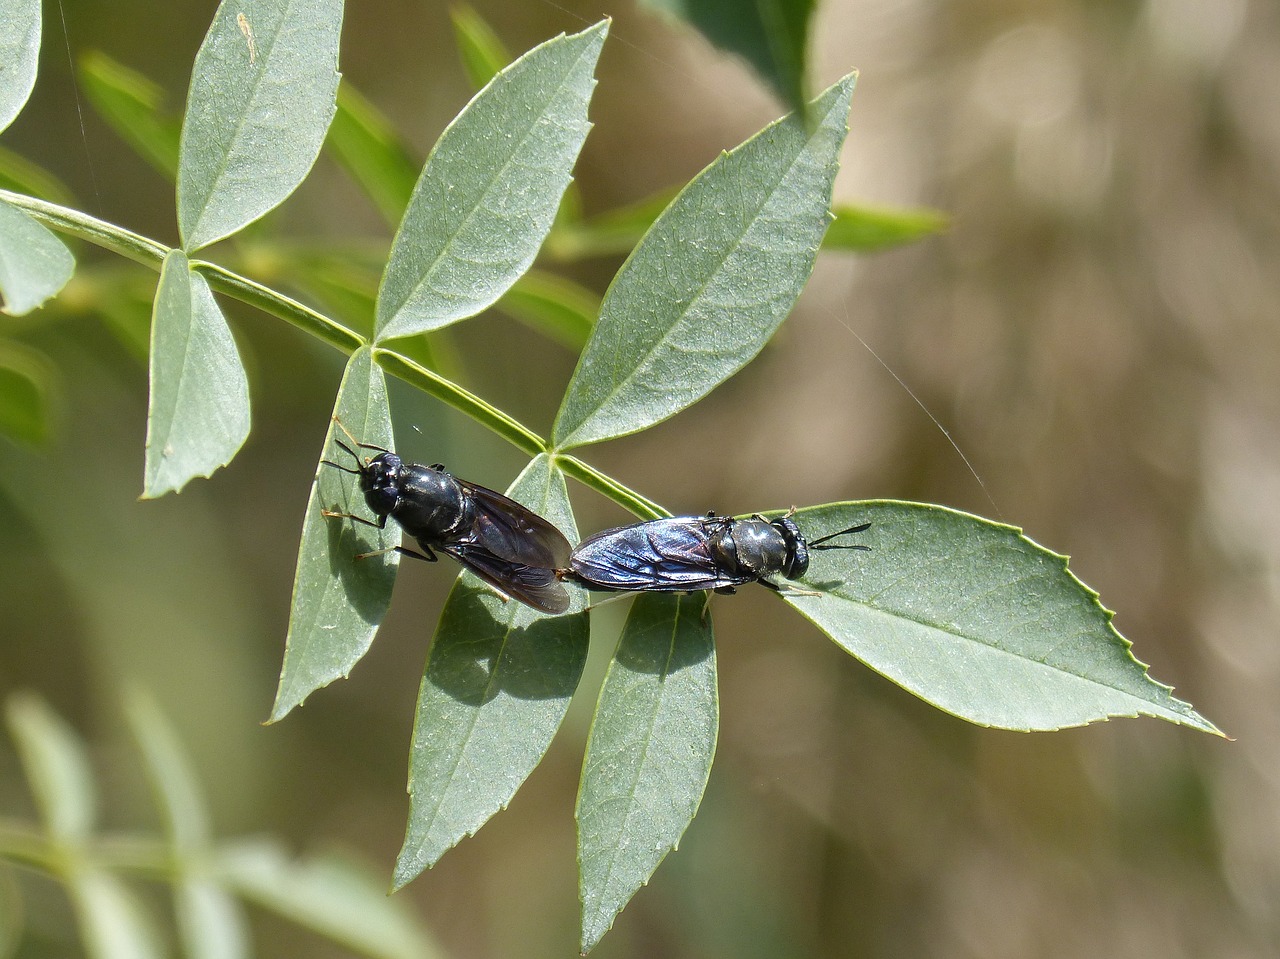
927	412
75	88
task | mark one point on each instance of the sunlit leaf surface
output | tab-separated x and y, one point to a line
199	413
490	189
711	281
262	94
975	618
652	741
19	55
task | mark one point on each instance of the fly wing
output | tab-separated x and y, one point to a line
514	533
538	586
665	555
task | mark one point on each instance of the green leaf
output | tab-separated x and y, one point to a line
133	106
866	229
19	174
556	307
975	618
56	766
711	281
19	55
771	35
262	94
211	922
339	600
498	681
367	146
649	755
199	413
112	921
34	264
489	191
27	382
483	55
169	771
329	895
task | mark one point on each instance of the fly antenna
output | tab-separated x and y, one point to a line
345	469
363	446
817	543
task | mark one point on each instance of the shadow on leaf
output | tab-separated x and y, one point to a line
486	645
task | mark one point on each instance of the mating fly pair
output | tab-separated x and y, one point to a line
507	545
524	556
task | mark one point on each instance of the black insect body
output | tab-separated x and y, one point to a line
685	553
509	546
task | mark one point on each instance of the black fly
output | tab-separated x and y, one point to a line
684	553
510	547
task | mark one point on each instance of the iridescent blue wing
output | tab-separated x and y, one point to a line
662	555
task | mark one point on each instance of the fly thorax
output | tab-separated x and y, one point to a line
432	505
761	547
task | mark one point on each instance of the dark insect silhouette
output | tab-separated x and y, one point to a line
685	553
507	545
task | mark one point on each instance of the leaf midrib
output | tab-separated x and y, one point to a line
1026	661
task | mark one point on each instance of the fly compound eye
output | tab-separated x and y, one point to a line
382	499
797	550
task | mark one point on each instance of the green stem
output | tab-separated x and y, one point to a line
151	254
509	428
609	487
277	304
128	244
26	845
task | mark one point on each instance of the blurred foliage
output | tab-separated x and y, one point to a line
326	893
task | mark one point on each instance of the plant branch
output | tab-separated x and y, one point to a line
151	254
509	428
607	486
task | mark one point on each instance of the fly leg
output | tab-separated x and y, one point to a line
788	590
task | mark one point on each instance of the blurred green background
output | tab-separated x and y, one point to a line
1098	330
